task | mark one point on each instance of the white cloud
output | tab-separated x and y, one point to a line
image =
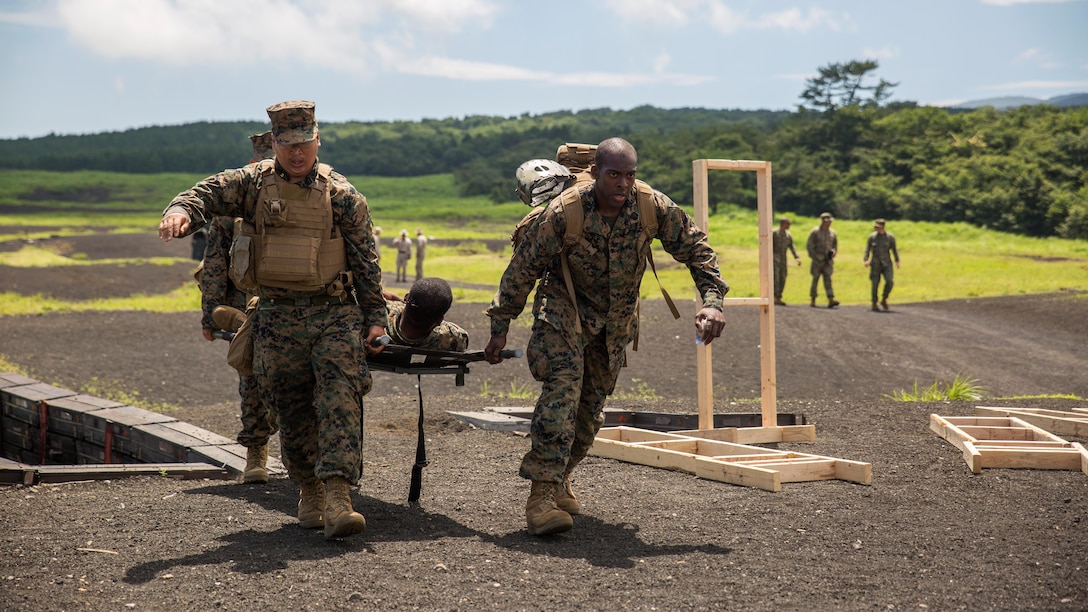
883	53
1037	57
678	13
664	12
334	33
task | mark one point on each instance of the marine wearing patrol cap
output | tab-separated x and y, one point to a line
878	223
293	122
262	146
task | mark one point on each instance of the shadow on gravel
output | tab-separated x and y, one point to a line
607	545
612	545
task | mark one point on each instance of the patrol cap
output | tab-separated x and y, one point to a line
878	223
293	122
262	145
784	220
826	216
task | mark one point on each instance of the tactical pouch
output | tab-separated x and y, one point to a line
241	270
240	352
290	258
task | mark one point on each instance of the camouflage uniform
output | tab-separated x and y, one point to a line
822	246
310	358
882	248
579	371
421	252
216	288
446	337
781	241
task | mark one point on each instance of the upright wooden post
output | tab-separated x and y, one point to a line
703	352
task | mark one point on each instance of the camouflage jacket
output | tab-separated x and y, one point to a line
782	241
607	270
233	193
882	248
822	244
446	337
216	288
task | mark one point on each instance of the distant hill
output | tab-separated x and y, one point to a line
1007	102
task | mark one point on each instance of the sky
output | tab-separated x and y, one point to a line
89	66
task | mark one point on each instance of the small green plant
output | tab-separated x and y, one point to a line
518	390
641	391
961	388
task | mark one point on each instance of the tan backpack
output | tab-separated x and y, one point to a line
578	158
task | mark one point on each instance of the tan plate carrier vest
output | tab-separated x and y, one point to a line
292	243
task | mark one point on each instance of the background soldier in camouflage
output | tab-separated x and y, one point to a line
823	244
217	289
879	250
579	370
782	241
309	346
403	245
421	252
418	319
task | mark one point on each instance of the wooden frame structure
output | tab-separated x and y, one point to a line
750	466
721	453
770	431
1008	442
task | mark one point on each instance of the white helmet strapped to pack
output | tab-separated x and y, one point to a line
541	180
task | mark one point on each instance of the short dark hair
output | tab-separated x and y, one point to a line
428	300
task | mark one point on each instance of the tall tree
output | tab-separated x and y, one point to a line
841	85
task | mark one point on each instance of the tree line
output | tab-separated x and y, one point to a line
846	150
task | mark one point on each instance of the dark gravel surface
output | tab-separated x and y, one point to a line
927	534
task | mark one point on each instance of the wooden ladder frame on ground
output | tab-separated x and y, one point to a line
1008	442
720	454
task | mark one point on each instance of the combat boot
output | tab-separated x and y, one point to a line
256	460
812	302
564	497
832	302
340	519
311	504
542	516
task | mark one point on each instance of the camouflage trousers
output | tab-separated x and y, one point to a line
822	268
570	409
780	271
312	367
258	422
876	270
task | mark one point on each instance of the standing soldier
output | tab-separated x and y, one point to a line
317	315
403	245
823	244
421	250
879	252
579	337
782	241
378	242
217	289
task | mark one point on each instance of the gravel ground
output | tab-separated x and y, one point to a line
926	534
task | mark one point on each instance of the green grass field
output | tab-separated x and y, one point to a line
939	261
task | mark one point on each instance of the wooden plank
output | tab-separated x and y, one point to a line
1054	421
1039	459
736	164
739	474
70	473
